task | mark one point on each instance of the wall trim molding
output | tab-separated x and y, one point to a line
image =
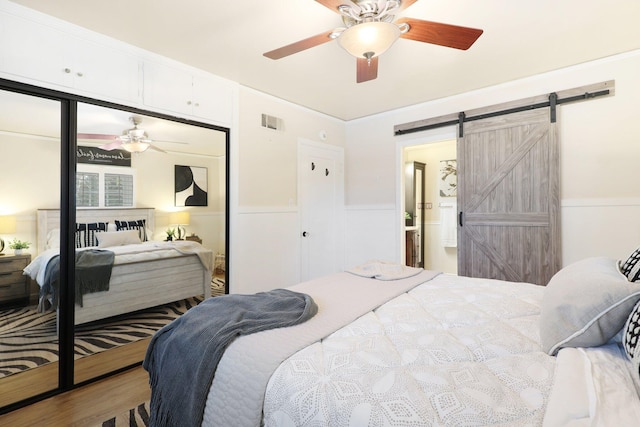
386	207
599	202
251	210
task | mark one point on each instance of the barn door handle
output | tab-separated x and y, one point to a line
460	218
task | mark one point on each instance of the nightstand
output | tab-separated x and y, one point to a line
14	286
194	238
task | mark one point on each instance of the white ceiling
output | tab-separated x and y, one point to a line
521	38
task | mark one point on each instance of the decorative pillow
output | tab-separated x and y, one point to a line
632	332
138	225
86	233
118	238
585	304
631	267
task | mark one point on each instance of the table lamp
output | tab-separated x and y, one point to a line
7	226
180	219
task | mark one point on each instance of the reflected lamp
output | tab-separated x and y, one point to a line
7	226
180	219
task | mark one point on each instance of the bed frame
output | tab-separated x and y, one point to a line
132	286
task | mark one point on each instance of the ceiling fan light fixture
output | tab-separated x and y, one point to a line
135	146
369	39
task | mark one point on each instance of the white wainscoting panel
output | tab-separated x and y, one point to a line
267	250
371	233
599	227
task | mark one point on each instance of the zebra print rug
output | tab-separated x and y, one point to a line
28	339
135	417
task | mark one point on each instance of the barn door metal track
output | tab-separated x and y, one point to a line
552	100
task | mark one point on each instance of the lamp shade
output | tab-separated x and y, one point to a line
7	224
179	218
369	39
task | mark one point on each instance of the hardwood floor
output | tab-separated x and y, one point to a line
86	406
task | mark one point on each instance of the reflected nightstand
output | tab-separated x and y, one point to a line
14	286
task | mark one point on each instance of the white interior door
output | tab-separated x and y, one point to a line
321	200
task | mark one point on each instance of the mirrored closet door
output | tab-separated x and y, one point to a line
30	129
150	232
113	223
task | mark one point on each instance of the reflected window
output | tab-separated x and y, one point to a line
87	189
105	187
118	190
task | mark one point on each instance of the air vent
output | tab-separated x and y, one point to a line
271	122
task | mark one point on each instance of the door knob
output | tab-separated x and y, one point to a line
304	234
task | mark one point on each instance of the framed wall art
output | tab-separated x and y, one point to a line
448	178
190	186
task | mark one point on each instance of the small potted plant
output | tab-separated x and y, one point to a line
18	245
170	233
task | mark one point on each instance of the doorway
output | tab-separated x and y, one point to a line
321	200
438	227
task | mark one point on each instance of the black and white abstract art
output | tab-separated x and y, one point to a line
190	186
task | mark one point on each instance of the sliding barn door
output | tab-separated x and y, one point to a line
508	197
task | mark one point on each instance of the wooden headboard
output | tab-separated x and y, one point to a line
49	219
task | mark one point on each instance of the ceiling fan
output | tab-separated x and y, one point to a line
134	140
371	28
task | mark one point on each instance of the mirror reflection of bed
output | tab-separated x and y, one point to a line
112	328
144	273
151	283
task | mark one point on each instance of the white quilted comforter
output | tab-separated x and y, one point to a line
453	351
443	351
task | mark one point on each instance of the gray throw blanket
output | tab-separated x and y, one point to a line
93	273
186	352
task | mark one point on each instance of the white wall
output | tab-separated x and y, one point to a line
30	181
599	157
265	240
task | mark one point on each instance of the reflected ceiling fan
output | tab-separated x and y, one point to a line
371	28
134	140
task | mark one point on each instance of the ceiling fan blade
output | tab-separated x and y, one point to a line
299	46
153	147
440	34
96	136
333	4
367	69
111	146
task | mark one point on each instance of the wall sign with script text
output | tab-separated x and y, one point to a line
97	156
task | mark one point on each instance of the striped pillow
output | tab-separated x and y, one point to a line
134	225
86	233
632	334
631	267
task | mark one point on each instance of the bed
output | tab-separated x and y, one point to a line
144	273
437	349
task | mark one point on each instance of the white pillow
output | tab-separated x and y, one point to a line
585	305
53	239
117	238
